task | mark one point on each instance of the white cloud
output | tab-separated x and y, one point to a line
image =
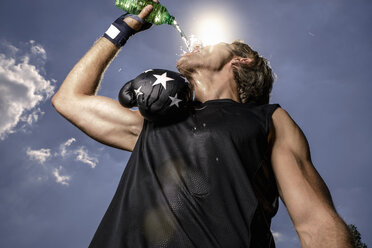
22	87
63	147
39	155
38	51
82	156
81	153
63	153
32	117
59	178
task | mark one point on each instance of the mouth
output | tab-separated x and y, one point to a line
195	45
196	50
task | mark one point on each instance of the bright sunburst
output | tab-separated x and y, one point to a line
212	30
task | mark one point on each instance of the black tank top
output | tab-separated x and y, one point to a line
205	181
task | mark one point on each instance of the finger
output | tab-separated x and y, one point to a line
133	23
156	1
145	12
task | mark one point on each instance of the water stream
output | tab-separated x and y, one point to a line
183	35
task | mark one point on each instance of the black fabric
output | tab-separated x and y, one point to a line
125	31
205	181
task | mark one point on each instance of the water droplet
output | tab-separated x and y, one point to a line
217	159
204	125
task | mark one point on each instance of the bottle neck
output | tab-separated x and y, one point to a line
170	20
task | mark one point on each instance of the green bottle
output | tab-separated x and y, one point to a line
159	14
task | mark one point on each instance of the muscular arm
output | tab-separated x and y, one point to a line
301	188
102	118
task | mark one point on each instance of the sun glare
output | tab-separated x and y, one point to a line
212	30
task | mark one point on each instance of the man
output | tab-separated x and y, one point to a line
211	180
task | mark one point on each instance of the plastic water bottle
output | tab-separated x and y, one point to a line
159	14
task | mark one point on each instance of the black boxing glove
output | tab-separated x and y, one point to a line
160	95
119	31
127	96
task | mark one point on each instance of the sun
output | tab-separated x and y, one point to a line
212	30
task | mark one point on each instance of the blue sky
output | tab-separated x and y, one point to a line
56	183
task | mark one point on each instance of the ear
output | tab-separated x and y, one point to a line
239	60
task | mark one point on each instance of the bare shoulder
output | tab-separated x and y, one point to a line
283	125
286	135
282	119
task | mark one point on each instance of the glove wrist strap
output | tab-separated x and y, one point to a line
119	32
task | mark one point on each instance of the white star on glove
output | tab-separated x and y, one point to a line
162	79
175	101
138	92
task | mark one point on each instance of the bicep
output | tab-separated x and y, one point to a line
300	186
104	119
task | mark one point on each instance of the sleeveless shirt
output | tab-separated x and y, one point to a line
205	181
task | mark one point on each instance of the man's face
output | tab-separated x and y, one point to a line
211	58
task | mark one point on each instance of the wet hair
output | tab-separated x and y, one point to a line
254	80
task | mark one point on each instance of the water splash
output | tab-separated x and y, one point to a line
191	42
195	43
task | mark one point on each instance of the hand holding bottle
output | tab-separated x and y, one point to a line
135	24
158	16
127	25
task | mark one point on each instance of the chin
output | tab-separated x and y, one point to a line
184	65
189	62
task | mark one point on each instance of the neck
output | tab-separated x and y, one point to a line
211	85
